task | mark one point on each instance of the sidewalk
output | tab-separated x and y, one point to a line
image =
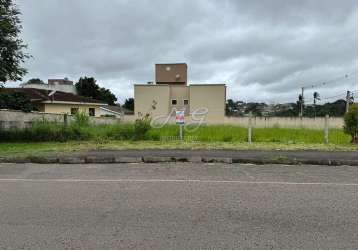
222	156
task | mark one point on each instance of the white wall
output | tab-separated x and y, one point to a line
57	87
267	122
19	119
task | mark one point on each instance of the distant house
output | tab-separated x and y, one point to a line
171	92
111	111
114	111
58	102
63	85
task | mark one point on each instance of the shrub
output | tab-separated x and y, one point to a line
141	127
40	131
227	138
81	119
46	131
15	101
351	123
122	131
154	135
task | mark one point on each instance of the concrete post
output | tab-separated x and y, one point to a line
326	129
65	120
249	131
181	132
348	99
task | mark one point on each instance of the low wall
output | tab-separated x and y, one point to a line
129	118
286	122
19	119
269	122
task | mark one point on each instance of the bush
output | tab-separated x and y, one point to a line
141	127
15	101
123	131
39	132
351	123
81	120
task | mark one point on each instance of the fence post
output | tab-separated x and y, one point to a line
326	129
249	130
65	119
181	132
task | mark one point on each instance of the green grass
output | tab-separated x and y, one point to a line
56	148
52	138
229	133
43	131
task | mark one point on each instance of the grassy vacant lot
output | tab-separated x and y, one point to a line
47	132
52	138
229	133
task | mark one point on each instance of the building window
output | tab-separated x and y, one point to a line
91	111
74	111
186	102
174	102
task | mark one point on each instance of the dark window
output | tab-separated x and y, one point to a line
91	112
174	102
186	102
74	111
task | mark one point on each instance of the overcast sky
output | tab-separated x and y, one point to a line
263	50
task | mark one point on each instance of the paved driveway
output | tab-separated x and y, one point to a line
178	206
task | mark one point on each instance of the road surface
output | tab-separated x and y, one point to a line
178	206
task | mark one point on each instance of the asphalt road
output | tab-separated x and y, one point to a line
178	206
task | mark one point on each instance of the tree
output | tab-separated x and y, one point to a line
12	53
301	104
231	106
35	81
88	87
107	96
351	122
315	98
15	101
129	104
255	108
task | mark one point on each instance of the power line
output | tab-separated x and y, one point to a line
335	96
346	76
315	85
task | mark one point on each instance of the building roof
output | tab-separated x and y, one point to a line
111	108
117	109
190	84
170	64
48	96
207	84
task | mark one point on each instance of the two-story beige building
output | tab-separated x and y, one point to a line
171	92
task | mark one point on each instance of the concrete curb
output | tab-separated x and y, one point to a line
128	159
71	160
100	159
218	160
157	159
91	159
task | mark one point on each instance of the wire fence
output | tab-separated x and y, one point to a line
251	133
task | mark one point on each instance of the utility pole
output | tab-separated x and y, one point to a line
301	103
348	100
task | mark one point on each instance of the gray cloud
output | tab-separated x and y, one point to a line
263	50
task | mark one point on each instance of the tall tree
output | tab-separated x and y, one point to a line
12	53
15	101
35	81
315	98
87	86
231	107
129	104
107	96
